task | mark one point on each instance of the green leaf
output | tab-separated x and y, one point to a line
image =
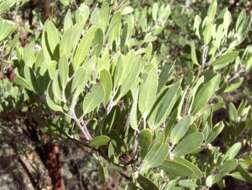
84	47
79	80
165	75
156	155
23	82
175	168
98	42
56	87
155	11
180	129
119	65
146	183
133	112
6	5
233	151
193	92
145	141
30	77
69	40
63	71
82	14
232	112
46	57
7	27
51	66
164	106
212	10
99	141
225	60
227	20
149	86
29	57
127	10
50	99
242	27
215	132
223	170
205	93
114	28
93	99
68	22
193	54
188	183
242	174
196	25
208	31
188	145
131	70
234	85
66	2
106	82
100	17
196	171
53	36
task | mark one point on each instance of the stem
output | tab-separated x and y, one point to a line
144	121
204	56
82	125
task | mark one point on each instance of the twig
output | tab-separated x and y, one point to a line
204	56
82	125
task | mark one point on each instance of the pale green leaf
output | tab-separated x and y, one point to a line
99	141
156	155
53	36
233	151
223	170
82	14
114	28
56	87
68	22
212	10
7	27
29	57
131	70
232	112
215	132
93	99
205	93
188	145
180	129
148	92
50	99
63	71
176	168
127	10
164	106
133	112
106	82
225	60
146	183
84	47
66	2
165	75
69	40
145	141
196	171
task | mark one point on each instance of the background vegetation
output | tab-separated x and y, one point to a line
113	94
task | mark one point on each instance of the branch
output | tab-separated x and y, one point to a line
81	124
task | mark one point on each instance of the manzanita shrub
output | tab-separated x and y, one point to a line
155	118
